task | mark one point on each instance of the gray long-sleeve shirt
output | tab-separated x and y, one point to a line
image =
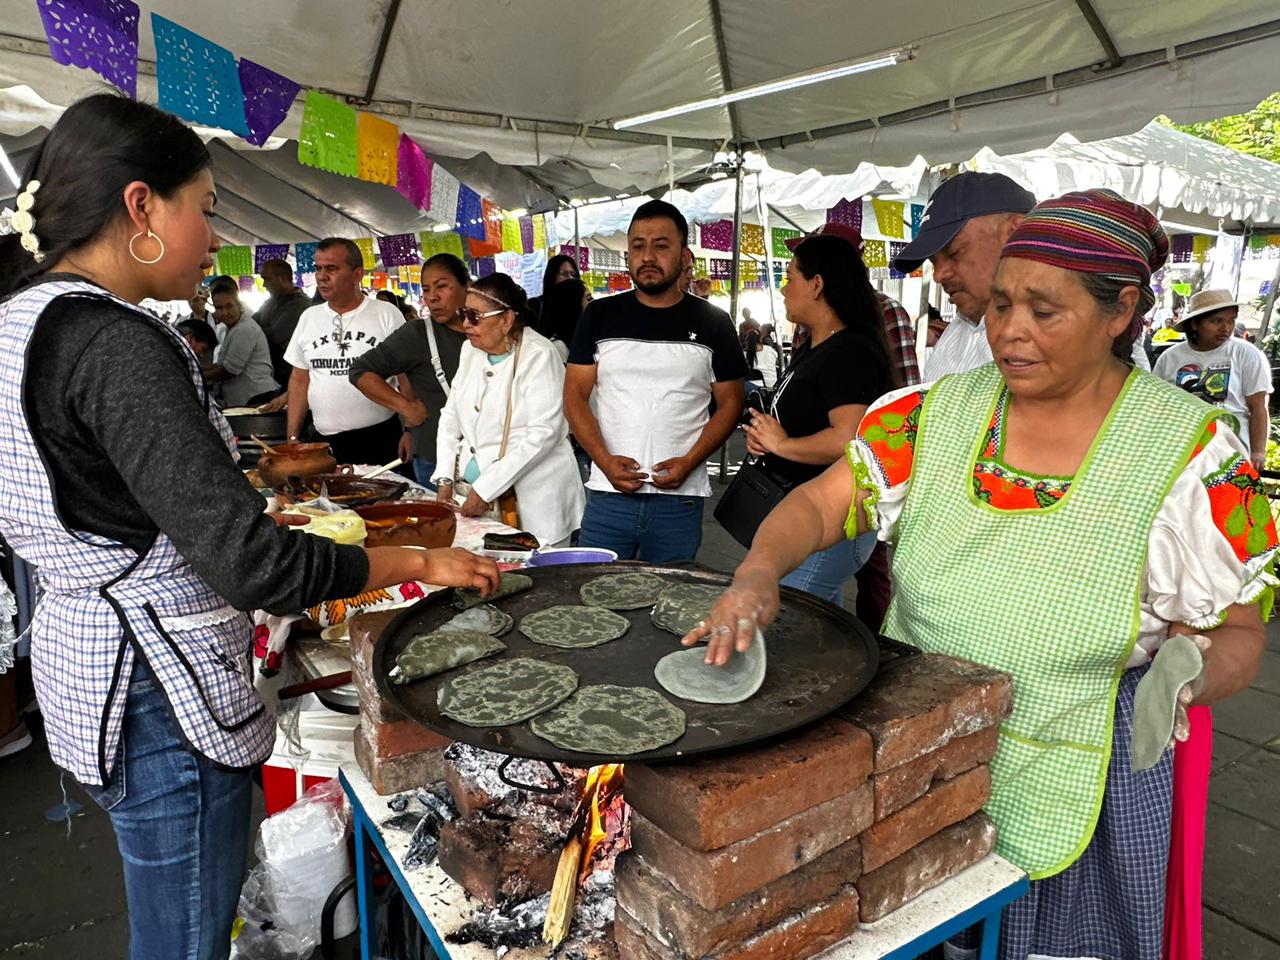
408	351
130	451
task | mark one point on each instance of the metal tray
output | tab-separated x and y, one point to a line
820	658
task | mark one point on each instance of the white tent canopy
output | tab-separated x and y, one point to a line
1180	177
1165	169
530	85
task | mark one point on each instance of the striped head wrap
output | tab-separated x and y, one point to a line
1096	231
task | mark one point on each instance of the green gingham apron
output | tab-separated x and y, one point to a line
1047	595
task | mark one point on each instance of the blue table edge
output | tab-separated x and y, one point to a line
366	832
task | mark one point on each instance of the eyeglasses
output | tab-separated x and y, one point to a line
472	317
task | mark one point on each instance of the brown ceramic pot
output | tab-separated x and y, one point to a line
295	460
415	523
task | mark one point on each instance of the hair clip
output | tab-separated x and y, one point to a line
25	223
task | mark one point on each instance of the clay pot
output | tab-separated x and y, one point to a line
415	523
295	460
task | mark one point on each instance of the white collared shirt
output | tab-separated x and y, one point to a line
963	346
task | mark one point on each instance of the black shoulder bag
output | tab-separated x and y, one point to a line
755	490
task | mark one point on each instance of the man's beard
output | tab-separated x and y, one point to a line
653	287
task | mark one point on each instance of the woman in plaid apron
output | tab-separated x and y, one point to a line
1057	515
118	484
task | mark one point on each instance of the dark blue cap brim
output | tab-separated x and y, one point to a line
927	242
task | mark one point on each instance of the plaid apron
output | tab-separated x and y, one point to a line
103	604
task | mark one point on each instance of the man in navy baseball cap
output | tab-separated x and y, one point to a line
962	232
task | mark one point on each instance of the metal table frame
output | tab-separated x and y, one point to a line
977	896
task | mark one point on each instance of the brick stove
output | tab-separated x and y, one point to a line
779	852
763	854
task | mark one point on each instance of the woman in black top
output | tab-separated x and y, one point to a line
560	268
562	307
117	483
821	398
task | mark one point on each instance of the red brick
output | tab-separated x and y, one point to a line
800	935
920	704
400	737
468	796
947	803
923	867
689	929
500	861
364	632
707	804
374	708
905	784
718	877
397	774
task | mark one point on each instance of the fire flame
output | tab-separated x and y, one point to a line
602	784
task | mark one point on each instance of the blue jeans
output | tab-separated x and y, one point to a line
422	472
182	826
823	574
653	527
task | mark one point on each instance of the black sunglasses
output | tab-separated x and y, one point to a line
472	317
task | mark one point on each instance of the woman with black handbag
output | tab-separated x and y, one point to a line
817	405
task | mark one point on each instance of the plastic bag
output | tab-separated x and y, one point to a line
302	854
255	935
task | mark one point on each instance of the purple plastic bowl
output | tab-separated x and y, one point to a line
558	557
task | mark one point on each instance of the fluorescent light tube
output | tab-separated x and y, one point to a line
795	81
11	173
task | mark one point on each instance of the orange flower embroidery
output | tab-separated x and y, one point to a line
890	434
1240	509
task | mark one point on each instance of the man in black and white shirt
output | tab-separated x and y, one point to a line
655	359
329	336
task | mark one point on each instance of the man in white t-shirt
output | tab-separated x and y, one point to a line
1220	368
962	233
329	336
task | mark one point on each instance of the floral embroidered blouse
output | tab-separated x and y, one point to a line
1211	545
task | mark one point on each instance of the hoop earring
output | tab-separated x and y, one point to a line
150	236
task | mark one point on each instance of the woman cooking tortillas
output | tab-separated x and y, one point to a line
1088	529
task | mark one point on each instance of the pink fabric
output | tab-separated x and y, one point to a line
1192	762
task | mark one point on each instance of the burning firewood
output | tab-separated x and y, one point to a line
587	832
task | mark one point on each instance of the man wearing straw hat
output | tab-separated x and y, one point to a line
1220	368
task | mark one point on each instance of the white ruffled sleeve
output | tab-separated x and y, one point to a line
1211	546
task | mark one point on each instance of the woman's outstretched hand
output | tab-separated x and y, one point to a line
750	603
454	567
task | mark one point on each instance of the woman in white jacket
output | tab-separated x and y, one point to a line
504	426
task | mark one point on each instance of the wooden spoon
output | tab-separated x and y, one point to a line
264	445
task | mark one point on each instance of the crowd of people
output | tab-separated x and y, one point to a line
1052	509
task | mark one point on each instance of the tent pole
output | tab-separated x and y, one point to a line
1271	302
737	243
735	284
388	24
577	236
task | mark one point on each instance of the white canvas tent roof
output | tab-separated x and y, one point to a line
519	92
1186	177
1181	177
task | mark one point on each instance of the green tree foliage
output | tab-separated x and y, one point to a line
1256	132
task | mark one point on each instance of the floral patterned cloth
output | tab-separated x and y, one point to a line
1211	545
